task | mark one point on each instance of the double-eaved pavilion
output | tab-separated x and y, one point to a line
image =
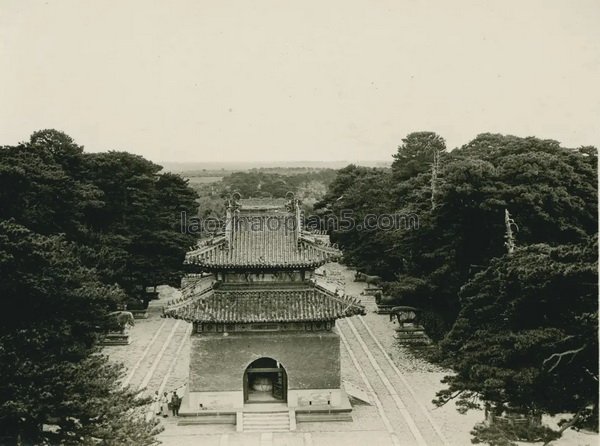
263	328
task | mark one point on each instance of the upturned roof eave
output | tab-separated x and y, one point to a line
259	266
181	310
192	320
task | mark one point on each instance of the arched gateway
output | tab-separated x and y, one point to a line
265	381
264	329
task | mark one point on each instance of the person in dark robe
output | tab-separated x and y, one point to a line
175	404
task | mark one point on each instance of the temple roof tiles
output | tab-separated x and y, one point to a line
256	249
263	241
308	303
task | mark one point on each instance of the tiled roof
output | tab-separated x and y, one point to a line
270	241
193	288
308	303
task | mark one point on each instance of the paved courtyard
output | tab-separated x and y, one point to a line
399	385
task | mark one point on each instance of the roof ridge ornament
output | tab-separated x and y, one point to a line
293	206
233	201
232	205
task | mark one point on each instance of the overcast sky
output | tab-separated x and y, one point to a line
297	80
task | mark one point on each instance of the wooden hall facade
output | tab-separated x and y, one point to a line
263	328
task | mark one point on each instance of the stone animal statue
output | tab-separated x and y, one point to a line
370	280
403	314
409	329
120	320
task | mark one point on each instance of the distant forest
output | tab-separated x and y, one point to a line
307	183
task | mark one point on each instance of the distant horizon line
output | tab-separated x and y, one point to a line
183	166
278	161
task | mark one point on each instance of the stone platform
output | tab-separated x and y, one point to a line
313	413
116	339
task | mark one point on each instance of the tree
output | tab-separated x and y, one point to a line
526	336
123	214
79	235
174	197
363	194
344	179
552	189
416	154
54	313
551	192
37	191
60	148
135	238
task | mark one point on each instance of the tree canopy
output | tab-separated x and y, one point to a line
55	311
453	263
80	234
123	213
526	335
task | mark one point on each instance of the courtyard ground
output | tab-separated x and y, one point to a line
399	384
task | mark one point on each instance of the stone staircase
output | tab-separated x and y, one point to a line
268	421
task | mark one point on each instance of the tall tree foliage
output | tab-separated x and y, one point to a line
54	311
526	336
415	155
138	230
124	214
79	234
550	190
356	193
453	265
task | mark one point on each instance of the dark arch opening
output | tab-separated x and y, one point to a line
265	381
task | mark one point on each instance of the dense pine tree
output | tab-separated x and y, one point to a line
54	312
526	336
80	234
520	331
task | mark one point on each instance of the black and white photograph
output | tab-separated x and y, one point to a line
299	223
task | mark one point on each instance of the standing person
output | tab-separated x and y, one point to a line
178	404
164	405
174	401
156	403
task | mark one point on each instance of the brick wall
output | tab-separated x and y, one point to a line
311	360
